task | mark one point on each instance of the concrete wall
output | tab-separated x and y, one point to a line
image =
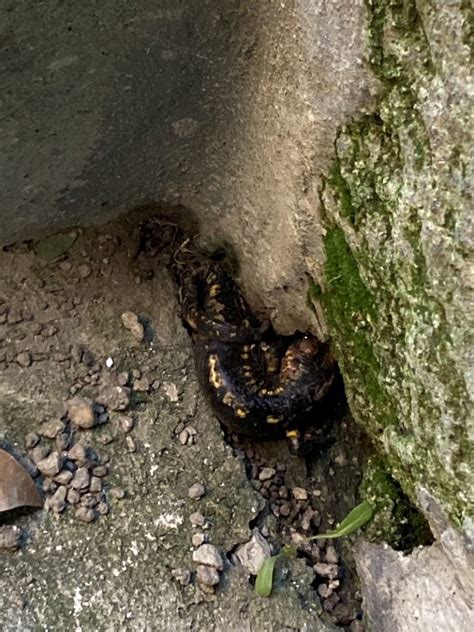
227	108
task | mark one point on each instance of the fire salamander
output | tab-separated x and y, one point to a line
259	385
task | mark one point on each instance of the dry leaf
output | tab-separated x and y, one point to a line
17	488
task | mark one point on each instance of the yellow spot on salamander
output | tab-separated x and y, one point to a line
214	377
292	434
241	412
228	398
244	356
214	290
263	391
272	419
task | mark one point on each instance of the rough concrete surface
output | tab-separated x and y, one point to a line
228	109
430	589
116	573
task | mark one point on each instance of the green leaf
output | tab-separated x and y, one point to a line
54	246
264	583
356	518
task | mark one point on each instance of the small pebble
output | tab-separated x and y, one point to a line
123	378
182	575
324	591
266	473
109	363
81	479
10	537
114	397
100	471
63	441
64	477
130	321
130	443
89	500
51	429
197	519
51	465
299	493
183	437
285	510
331	555
126	423
117	492
198	539
207	575
84	271
196	491
96	484
326	570
142	385
57	502
106	438
86	514
252	554
102	508
81	412
73	496
208	555
31	440
78	452
24	359
171	391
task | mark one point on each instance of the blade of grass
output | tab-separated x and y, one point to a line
355	519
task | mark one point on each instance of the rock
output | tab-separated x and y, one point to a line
64	477
95	484
285	510
266	473
196	491
84	271
182	575
126	423
102	508
24	359
81	479
252	554
197	519
78	452
114	397
123	378
326	570
171	391
73	496
57	502
208	555
63	441
51	429
299	493
100	471
116	492
51	465
183	437
198	538
81	412
31	440
10	537
130	321
207	575
89	500
131	444
324	591
142	385
331	555
86	514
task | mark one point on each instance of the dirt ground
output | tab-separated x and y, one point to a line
185	482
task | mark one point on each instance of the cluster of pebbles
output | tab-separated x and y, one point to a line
301	513
73	473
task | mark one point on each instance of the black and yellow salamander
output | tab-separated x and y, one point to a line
259	385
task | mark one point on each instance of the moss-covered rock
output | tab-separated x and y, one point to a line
397	218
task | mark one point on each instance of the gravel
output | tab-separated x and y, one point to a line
252	554
196	491
51	465
80	411
208	555
131	322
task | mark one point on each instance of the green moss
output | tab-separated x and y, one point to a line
390	328
396	521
